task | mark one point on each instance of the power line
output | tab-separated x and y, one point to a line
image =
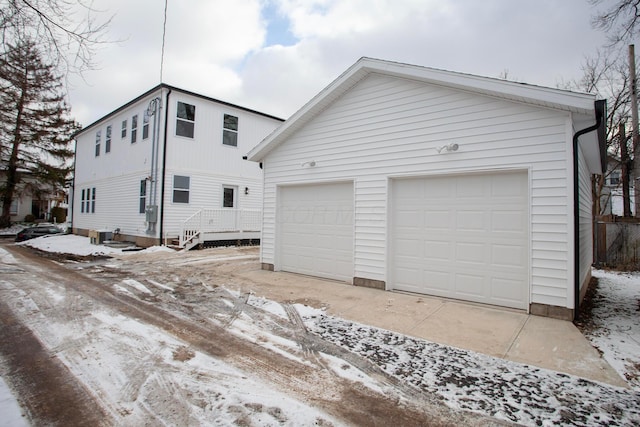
164	33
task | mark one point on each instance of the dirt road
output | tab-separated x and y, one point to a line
65	351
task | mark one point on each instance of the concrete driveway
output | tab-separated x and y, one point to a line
509	334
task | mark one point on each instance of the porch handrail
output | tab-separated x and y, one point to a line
218	221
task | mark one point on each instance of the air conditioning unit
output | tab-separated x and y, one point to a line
98	237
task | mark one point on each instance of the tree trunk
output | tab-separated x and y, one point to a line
626	171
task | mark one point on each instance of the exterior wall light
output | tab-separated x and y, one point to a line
448	148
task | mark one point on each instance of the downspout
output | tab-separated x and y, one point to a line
164	165
599	107
72	198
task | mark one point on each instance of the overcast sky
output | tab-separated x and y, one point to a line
274	55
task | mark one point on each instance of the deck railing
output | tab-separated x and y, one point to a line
219	221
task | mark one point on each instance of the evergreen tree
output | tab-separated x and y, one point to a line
35	126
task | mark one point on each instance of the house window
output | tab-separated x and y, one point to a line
98	136
123	132
82	202
13	209
180	189
93	200
614	178
145	125
228	197
143	195
134	128
107	140
230	131
185	120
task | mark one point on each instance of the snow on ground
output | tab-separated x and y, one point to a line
460	378
486	385
79	245
616	322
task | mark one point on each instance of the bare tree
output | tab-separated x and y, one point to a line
67	32
606	75
620	20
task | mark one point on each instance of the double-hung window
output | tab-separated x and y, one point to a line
230	130
82	202
123	132
107	140
143	196
134	128
98	136
93	200
145	125
185	119
181	189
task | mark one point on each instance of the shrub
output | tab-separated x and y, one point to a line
60	214
29	218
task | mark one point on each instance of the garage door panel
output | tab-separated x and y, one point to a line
469	285
315	228
471	253
472	242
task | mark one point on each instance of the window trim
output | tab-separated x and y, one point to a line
142	203
181	190
226	130
134	128
185	120
107	140
98	138
145	125
234	200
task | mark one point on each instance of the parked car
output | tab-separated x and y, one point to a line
37	231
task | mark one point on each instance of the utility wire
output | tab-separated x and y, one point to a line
164	32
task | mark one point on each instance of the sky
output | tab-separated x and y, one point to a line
275	55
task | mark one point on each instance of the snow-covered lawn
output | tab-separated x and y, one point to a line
462	379
615	322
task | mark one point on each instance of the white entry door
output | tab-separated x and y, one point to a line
463	237
315	230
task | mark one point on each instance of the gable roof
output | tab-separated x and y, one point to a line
173	89
578	103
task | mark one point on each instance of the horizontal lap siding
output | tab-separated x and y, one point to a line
387	127
586	219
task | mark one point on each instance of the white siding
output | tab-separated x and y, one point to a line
115	175
209	164
388	127
585	198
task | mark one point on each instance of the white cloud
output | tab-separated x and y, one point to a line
217	48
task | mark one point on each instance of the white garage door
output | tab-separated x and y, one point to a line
462	236
316	230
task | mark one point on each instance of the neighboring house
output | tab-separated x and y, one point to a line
414	179
611	197
32	198
166	157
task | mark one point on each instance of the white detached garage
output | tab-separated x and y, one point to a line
414	179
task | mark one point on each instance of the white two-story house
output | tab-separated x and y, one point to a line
168	166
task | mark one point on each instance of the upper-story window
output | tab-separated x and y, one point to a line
123	133
185	119
230	130
145	125
107	140
134	128
98	136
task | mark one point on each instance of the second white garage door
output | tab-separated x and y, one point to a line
315	229
463	237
